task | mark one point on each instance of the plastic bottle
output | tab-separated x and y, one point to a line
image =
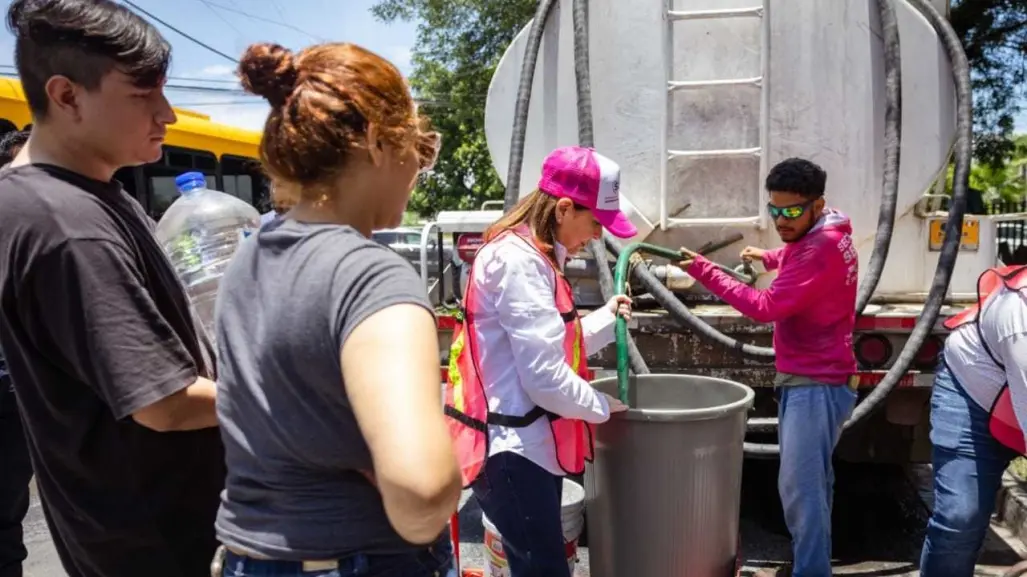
200	232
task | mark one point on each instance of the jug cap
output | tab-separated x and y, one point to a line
189	181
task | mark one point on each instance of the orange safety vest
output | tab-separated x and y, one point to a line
467	404
1002	422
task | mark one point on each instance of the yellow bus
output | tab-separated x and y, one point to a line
228	156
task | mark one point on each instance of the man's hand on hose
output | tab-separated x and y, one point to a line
751	253
620	305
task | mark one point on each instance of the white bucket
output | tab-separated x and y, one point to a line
572	514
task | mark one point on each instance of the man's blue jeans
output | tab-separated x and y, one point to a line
968	466
523	501
810	422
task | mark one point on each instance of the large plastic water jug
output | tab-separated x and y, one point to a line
200	232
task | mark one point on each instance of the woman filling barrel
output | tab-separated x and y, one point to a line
329	394
520	407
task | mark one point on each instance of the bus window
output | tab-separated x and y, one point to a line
244	178
160	176
133	181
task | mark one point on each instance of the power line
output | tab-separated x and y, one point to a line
426	102
179	32
222	18
237	92
179	87
261	19
225	103
199	79
278	8
183	78
281	13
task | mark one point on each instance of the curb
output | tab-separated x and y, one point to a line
1011	506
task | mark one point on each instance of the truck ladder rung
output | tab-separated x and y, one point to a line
739	222
714	153
754	11
692	84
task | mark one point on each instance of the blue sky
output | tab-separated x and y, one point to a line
221	24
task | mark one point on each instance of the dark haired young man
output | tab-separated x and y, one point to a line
111	374
812	305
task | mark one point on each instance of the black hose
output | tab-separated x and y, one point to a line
520	128
892	151
680	312
954	225
582	76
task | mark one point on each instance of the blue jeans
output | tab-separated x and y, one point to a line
968	466
810	422
523	501
434	561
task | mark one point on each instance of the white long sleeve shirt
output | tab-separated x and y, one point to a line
1004	327
520	348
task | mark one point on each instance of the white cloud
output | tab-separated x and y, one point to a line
402	57
248	116
218	72
232	109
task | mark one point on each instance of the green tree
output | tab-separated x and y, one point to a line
459	44
994	34
1003	182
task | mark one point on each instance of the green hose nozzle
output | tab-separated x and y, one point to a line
620	285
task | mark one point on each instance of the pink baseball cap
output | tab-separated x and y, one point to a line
591	180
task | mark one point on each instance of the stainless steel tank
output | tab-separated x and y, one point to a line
662	497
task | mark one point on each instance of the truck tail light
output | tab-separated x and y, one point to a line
872	351
927	357
467	245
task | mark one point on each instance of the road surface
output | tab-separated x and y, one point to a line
878	527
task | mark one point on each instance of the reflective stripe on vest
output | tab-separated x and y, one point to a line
1002	422
467	403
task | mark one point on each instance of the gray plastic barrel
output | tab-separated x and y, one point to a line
663	495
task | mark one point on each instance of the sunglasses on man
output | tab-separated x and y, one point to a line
790	212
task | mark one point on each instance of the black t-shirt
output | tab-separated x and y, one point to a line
95	326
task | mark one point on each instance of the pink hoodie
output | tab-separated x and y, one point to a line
811	302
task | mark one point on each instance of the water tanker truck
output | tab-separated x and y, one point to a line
696	100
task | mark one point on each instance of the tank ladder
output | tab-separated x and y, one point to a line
758	82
